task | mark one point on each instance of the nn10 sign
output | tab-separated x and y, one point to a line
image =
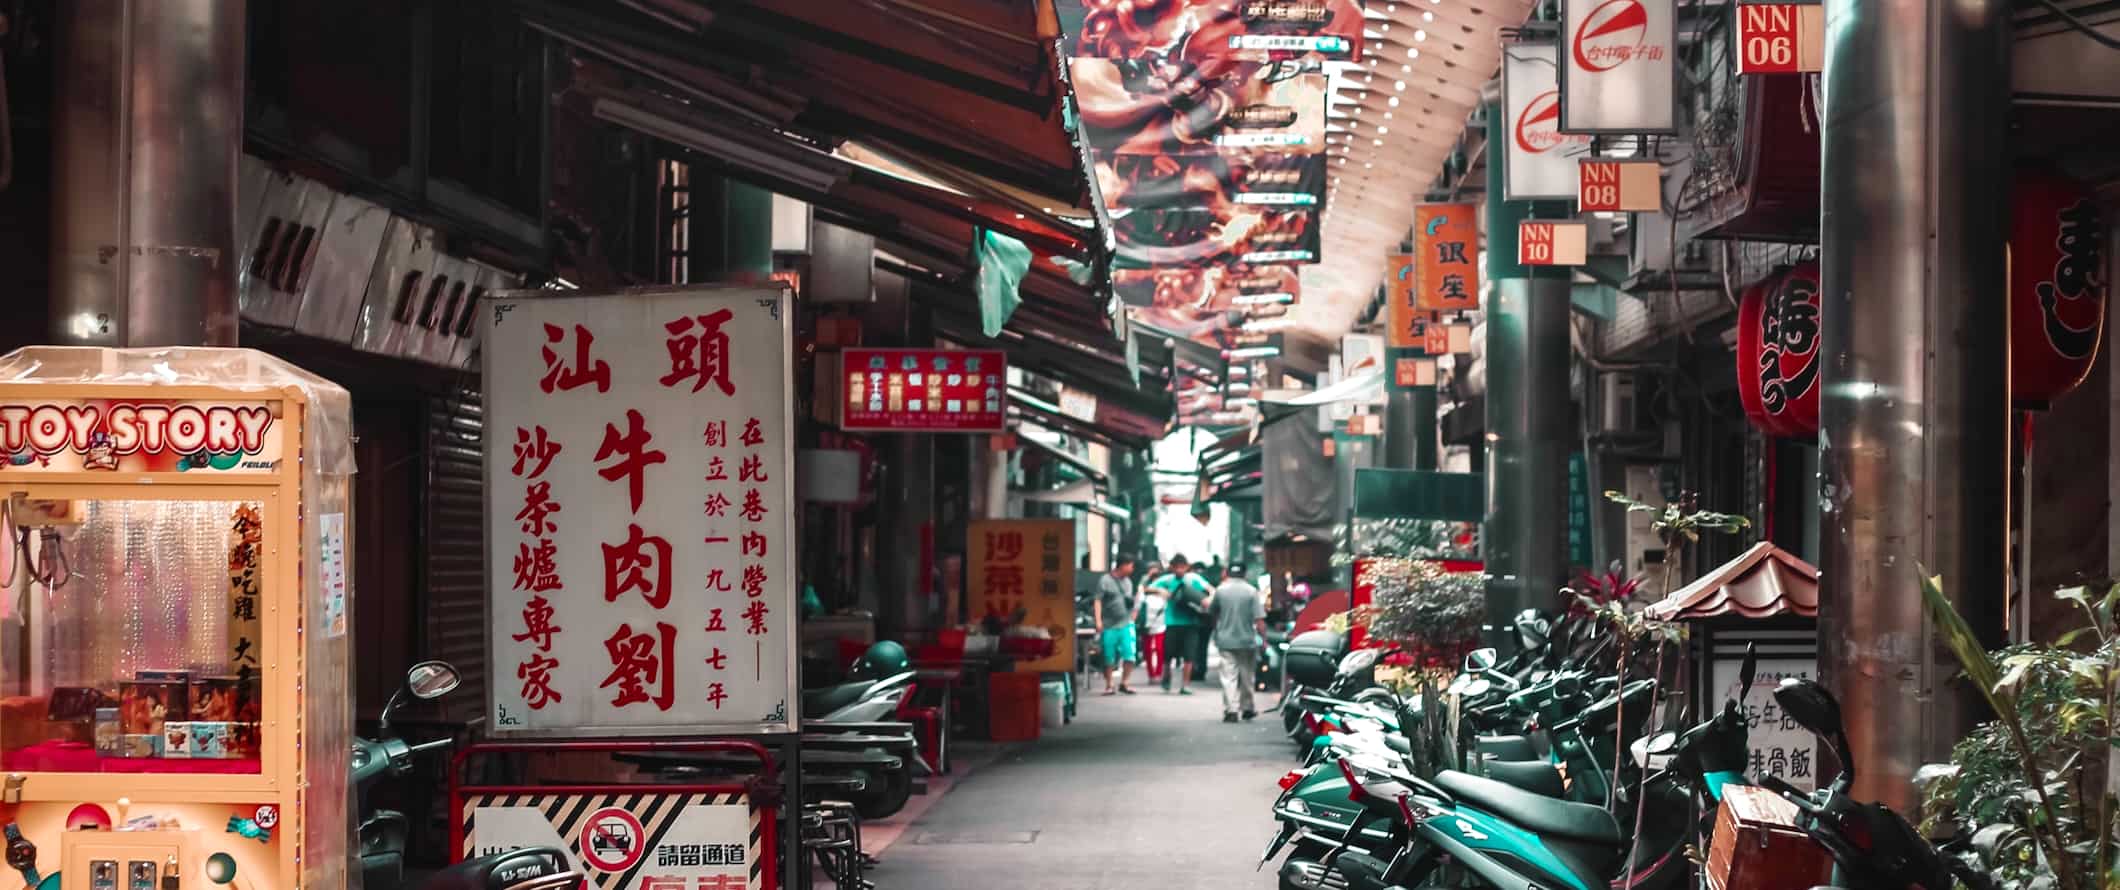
1620	186
1781	38
1619	66
1551	243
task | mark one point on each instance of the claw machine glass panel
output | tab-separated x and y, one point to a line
174	596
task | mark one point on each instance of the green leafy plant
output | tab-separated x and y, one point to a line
1679	524
1431	613
2030	785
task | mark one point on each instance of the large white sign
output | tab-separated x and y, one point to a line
1540	159
1619	66
1779	746
640	534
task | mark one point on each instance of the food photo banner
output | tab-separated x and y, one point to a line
1201	303
1197	29
1158	239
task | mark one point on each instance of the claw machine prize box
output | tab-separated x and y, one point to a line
173	614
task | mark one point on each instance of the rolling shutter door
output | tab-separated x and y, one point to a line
453	569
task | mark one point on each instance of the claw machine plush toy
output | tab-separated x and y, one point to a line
174	707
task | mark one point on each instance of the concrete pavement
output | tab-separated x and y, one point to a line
1151	790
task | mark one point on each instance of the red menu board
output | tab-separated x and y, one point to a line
924	390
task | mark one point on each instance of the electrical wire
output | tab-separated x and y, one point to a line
2072	21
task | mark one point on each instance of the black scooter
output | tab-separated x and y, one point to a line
1873	847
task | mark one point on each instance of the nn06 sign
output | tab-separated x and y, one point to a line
1781	38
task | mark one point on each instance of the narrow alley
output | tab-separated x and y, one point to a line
1147	791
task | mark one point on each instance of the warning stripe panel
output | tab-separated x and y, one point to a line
568	814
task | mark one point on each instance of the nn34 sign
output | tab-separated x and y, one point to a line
1619	66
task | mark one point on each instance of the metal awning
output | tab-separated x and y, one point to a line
1763	582
1094	476
1024	407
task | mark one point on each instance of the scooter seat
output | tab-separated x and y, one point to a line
819	702
1535	812
1536	776
1506	747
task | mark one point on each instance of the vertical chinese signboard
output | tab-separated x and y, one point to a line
1446	249
639	503
1022	573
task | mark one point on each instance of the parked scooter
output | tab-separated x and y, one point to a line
849	729
1873	847
383	834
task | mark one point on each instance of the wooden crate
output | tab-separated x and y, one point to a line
1757	845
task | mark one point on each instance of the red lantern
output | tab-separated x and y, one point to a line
2057	285
1778	365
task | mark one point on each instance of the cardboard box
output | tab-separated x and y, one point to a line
144	705
209	739
177	738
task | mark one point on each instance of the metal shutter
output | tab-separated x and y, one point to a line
453	560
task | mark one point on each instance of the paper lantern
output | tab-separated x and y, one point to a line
1778	365
2057	285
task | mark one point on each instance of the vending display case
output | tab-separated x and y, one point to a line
174	686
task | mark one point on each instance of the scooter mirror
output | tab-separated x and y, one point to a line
1810	705
432	679
1481	660
1750	671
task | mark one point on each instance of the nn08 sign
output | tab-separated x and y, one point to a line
639	513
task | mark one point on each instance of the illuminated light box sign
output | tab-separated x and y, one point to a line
1781	38
1538	158
924	390
1620	186
1551	243
139	436
1619	69
1204	29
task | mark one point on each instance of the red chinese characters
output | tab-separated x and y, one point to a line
536	562
699	351
559	375
633	456
639	661
641	563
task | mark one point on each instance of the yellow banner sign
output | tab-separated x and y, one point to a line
1022	572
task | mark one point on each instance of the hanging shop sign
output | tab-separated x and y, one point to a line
1402	314
1198	303
1022	577
2057	285
1619	186
1781	38
1778	364
1446	249
924	390
1408	371
1552	243
1619	71
139	436
640	524
1539	160
1256	29
1225	129
1162	239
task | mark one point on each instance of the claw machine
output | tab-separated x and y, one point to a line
175	708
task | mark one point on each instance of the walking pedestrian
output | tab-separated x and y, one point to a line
1117	610
1185	622
1239	626
1154	607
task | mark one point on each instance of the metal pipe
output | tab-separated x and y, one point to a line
149	129
1915	435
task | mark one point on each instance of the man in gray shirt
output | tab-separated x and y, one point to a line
1116	610
1239	626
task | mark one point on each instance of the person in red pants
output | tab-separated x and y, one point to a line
1153	608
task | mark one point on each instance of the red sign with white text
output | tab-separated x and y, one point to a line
1547	243
1780	38
139	436
640	513
924	390
1619	186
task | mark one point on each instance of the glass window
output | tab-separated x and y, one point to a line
129	636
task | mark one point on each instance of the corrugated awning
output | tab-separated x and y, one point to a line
1026	408
1763	582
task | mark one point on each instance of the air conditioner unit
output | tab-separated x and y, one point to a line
1619	403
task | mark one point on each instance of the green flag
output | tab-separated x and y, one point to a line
1003	261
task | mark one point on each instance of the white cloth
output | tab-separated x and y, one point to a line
1152	608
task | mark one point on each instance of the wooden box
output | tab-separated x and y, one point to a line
1757	845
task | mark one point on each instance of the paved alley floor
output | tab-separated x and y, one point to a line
1151	790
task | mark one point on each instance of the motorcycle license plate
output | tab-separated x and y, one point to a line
1288	830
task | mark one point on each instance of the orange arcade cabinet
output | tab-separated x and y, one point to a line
174	707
